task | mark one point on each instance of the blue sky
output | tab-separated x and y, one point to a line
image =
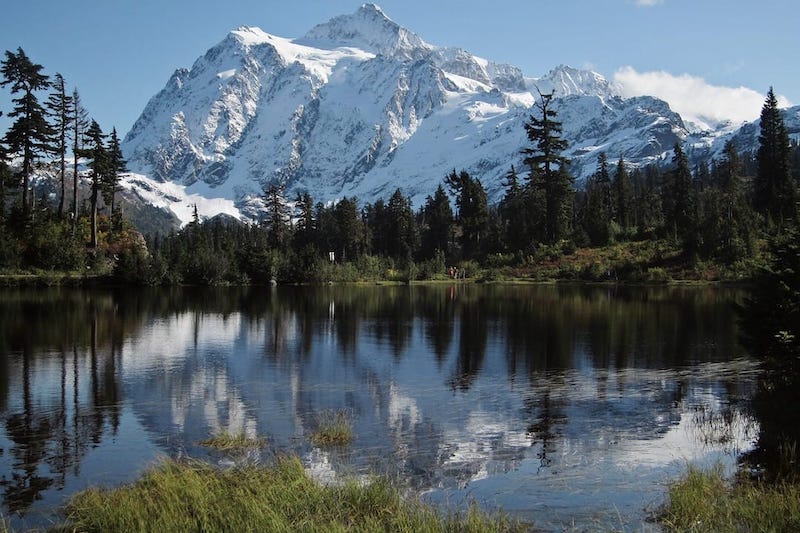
714	56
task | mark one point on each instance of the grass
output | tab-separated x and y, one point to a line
193	496
227	442
706	501
334	428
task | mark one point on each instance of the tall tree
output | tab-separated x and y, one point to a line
30	133
403	236
116	166
80	122
348	236
59	105
775	193
276	220
622	195
514	213
678	195
598	204
473	211
98	164
548	167
437	222
306	222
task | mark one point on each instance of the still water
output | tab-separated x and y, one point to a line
565	406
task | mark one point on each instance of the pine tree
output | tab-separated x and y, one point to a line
679	199
437	215
59	105
116	166
622	195
80	122
775	193
306	223
277	215
598	204
514	213
403	236
548	168
98	163
473	211
30	133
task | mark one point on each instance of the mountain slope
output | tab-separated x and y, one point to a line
361	106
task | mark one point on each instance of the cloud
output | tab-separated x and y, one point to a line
647	3
695	99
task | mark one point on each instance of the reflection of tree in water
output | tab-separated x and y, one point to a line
472	339
543	430
437	311
51	430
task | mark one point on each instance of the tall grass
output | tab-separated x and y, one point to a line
706	501
193	496
334	428
232	442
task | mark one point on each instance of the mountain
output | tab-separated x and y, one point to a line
360	106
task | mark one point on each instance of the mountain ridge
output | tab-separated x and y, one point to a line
360	106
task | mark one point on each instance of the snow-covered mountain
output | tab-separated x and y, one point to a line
361	106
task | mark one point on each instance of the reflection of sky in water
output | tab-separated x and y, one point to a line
585	441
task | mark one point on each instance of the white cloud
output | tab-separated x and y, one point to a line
695	99
648	3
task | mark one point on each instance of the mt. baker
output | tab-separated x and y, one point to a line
360	106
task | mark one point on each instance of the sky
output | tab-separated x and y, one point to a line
717	58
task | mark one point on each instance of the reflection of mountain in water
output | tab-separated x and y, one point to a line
448	387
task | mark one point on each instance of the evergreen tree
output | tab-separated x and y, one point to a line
306	223
80	122
679	200
622	195
437	216
514	213
403	236
116	166
473	211
59	105
548	168
728	226
597	218
98	164
775	193
30	133
348	229
277	215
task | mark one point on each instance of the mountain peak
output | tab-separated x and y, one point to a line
564	80
368	29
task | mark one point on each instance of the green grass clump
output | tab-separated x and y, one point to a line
227	442
334	428
194	496
706	501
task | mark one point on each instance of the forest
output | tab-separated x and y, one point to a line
709	220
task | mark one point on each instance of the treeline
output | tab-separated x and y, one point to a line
717	210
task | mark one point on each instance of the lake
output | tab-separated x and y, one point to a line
566	406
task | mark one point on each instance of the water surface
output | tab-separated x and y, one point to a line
565	406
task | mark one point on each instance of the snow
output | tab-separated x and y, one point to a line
176	199
361	106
